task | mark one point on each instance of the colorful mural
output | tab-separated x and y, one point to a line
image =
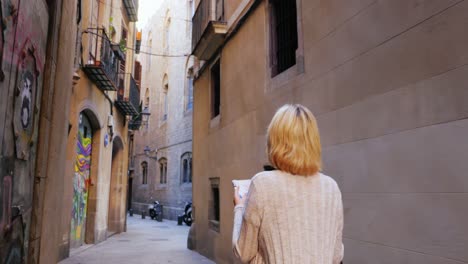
81	181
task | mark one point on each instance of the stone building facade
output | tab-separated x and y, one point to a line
387	81
163	172
49	97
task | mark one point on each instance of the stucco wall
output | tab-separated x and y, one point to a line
387	82
106	206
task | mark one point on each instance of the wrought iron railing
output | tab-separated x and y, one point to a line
102	66
208	10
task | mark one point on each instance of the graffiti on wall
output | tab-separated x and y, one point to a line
81	180
25	97
23	39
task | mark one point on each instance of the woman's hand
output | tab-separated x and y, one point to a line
237	199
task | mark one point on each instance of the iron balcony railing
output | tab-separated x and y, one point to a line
207	10
103	63
128	105
131	6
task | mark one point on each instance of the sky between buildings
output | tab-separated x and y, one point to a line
146	9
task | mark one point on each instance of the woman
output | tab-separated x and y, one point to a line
293	214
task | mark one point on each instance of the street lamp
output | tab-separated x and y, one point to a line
145	115
152	154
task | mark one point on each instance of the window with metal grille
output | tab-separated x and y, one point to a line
284	41
215	89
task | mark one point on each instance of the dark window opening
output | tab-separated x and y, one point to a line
284	34
186	168
215	89
215	191
138	70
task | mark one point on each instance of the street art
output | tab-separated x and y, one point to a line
26	88
23	39
81	180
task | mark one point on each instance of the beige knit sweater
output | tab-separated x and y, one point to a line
289	219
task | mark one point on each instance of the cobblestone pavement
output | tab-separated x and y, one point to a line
146	241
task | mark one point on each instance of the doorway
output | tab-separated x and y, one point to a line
81	181
116	216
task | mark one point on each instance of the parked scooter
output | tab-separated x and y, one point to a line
187	217
155	211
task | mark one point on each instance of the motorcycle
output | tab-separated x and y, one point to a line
187	217
155	211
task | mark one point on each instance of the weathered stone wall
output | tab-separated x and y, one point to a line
23	40
387	82
172	137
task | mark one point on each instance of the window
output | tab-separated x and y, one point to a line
186	168
165	99
189	92
149	48
144	172
138	70
214	209
167	33
147	98
215	90
215	191
163	171
93	23
284	37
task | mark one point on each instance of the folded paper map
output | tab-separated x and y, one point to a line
243	186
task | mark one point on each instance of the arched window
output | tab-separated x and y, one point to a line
167	32
150	49
147	98
165	99
144	172
189	91
163	171
186	167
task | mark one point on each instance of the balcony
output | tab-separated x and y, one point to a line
103	63
131	6
209	28
128	102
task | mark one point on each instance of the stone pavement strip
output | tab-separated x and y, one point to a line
146	241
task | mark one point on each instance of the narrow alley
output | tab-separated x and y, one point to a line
281	131
146	241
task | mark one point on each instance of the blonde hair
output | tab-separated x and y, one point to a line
293	141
